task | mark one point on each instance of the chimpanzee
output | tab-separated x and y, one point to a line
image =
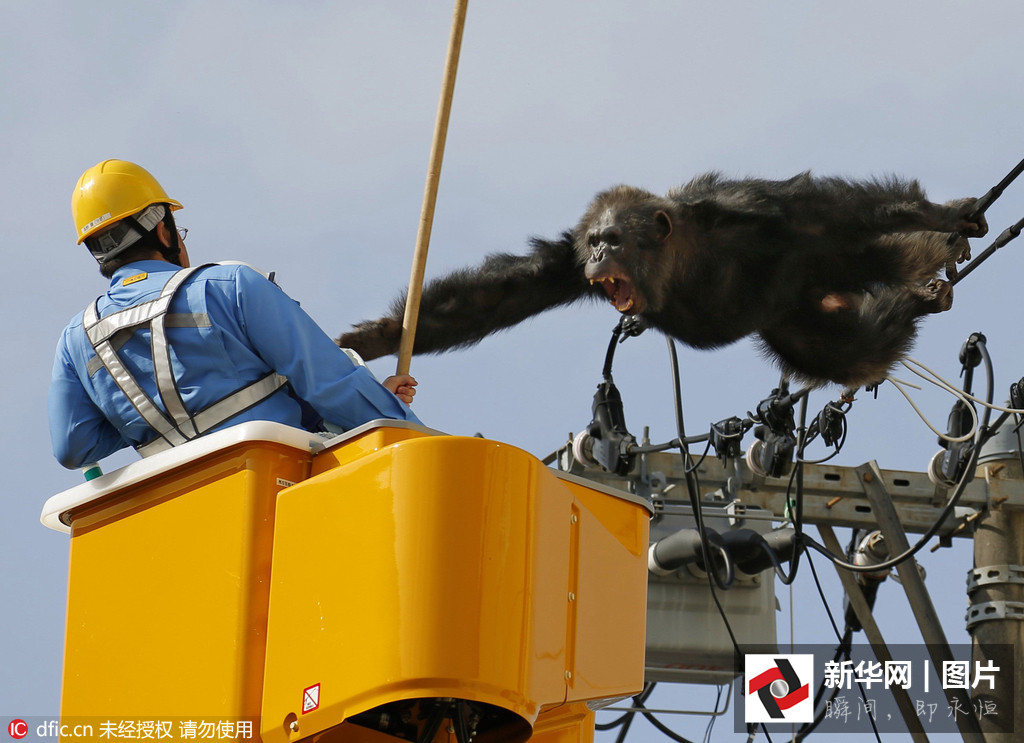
831	274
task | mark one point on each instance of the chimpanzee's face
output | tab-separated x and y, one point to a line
620	242
605	265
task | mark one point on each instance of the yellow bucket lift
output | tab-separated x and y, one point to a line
391	582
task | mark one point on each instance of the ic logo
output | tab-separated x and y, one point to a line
779	688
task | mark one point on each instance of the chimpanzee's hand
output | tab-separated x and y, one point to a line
968	224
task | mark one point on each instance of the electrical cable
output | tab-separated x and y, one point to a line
606	370
714	715
950	505
696	465
980	207
829	458
844	639
694	490
639	702
796	477
899	384
842	652
605	726
662	728
638	699
815	432
1010	233
1020	444
957	393
622	719
984	434
673	444
621	737
960	394
968	395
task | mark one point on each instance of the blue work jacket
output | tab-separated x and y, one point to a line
237	328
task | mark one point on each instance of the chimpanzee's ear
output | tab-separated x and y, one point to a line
664	224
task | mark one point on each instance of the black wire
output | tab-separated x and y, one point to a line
834	454
814	431
712	573
621	719
676	388
694	490
1007	235
693	487
1020	445
808	727
982	205
829	458
638	701
621	737
843	650
603	726
606	372
950	505
780	572
696	465
664	729
714	716
673	444
627	719
797	476
835	628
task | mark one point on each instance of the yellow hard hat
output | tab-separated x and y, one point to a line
113	190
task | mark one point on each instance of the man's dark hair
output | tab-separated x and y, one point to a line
144	247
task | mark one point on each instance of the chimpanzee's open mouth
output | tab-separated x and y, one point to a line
620	293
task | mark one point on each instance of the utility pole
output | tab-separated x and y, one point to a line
995	587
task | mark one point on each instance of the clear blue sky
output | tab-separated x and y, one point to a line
297	135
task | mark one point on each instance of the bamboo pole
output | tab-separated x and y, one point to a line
419	260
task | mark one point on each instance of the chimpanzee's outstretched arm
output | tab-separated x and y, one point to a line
460	309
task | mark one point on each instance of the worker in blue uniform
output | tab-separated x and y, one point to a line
172	352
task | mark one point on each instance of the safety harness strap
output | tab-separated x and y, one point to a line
177	425
224	409
171	320
100	332
163	371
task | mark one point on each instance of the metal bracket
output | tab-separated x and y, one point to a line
984	612
990	575
920	602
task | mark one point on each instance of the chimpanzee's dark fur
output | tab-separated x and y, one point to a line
832	274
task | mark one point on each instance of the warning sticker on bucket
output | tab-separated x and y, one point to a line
310	698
